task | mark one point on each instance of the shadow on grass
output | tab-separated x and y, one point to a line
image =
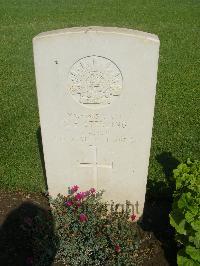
157	209
169	163
40	146
27	237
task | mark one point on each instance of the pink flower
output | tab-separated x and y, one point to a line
117	248
133	217
74	189
78	204
68	203
79	196
92	190
87	193
28	221
83	217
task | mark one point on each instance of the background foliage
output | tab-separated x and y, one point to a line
185	212
176	125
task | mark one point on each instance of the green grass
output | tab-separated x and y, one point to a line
176	122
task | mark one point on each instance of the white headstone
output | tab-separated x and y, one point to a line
96	90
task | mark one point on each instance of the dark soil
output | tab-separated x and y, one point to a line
16	247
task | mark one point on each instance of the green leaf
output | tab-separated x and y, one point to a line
178	222
183	261
184	200
195	239
193	252
196	225
189	216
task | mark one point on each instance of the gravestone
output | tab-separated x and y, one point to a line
96	89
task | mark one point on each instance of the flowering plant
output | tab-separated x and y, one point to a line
91	235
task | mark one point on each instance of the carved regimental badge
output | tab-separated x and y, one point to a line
95	81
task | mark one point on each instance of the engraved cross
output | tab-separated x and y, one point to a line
95	165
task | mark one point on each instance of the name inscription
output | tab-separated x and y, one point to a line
96	127
96	120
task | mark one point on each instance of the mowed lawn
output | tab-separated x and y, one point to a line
176	133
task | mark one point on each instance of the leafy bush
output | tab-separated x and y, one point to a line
185	215
89	234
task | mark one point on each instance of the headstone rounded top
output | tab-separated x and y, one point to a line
125	31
